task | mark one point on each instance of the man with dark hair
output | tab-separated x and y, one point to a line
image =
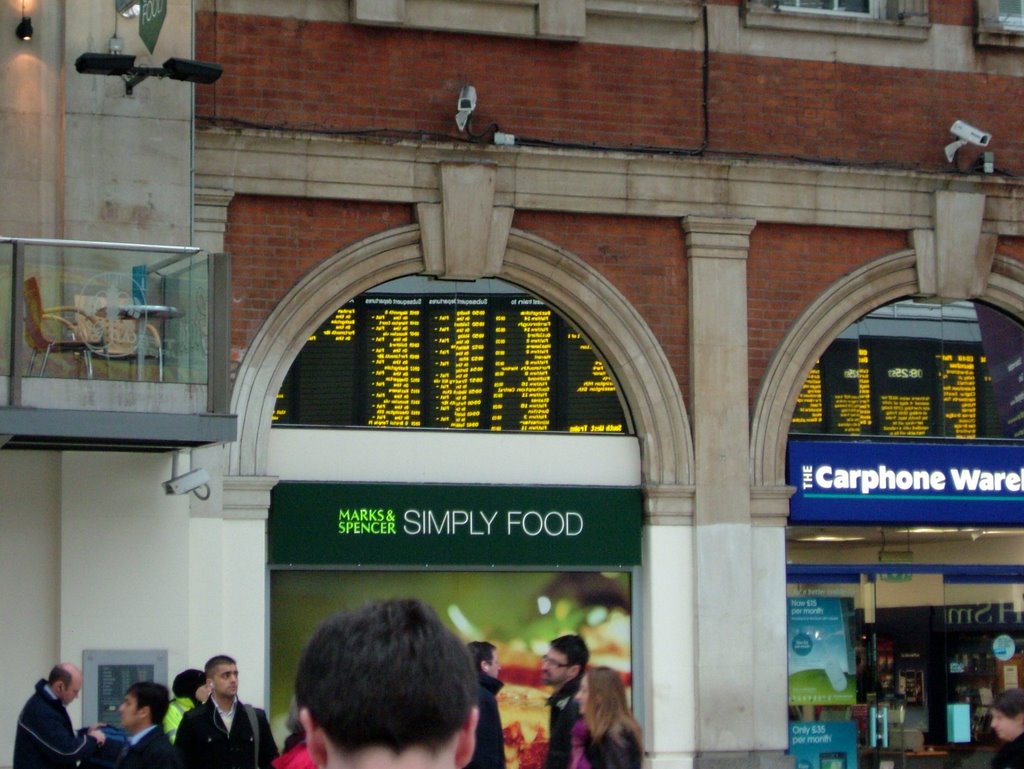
224	733
562	667
45	737
142	712
385	685
490	741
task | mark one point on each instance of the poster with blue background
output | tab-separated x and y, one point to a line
823	744
821	660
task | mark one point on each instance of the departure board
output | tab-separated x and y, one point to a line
899	388
497	362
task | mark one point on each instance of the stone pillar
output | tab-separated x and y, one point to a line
724	540
668	633
210	218
227	574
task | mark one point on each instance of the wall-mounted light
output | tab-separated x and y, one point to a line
24	28
123	65
128	8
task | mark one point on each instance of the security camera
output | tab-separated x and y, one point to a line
467	103
965	134
970	134
190	481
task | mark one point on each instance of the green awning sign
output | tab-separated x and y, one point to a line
461	525
151	21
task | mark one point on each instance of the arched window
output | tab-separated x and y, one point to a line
916	369
476	355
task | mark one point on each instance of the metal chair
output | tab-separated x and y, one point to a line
64	341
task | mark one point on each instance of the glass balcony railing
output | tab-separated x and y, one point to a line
137	327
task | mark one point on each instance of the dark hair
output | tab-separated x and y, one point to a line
154	696
186	683
574	649
482	651
59	673
215	662
1010	703
387	674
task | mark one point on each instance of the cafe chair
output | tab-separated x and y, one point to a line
38	320
107	324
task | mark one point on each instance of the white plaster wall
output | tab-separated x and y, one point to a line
453	457
93	555
123	557
29	574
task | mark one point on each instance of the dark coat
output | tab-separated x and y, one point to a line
564	712
154	751
204	743
490	741
45	737
1010	756
613	753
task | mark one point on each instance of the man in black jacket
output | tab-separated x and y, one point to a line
224	733
490	742
45	737
562	667
142	714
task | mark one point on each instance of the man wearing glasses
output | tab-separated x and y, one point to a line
563	667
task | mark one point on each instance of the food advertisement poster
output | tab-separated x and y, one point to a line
821	659
518	611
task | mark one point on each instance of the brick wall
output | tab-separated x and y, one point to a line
275	241
643	258
289	73
789	267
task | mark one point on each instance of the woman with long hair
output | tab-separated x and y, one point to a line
613	735
1008	724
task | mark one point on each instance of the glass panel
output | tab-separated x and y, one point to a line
836	6
109	312
1011	13
984	657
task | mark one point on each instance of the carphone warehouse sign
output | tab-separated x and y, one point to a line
462	525
881	483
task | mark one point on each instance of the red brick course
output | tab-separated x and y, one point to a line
275	241
341	77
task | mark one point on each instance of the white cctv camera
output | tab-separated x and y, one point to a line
965	133
970	134
190	481
467	103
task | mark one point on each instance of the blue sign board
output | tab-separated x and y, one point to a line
890	483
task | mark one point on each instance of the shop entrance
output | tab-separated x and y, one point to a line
894	666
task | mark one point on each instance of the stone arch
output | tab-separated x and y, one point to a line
627	344
887	279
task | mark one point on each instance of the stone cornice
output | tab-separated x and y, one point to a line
256	162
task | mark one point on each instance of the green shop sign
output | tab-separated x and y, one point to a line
434	525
